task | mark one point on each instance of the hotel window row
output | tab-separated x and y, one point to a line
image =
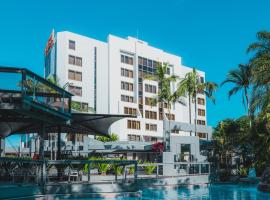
150	101
200	122
134	137
201	101
74	75
126	59
147	65
74	60
150	88
126	86
132	124
151	127
150	114
201	112
170	116
75	90
130	111
126	73
126	98
202	135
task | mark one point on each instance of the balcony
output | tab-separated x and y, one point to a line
25	96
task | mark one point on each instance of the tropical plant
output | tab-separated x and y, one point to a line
131	170
111	138
233	139
149	168
116	168
191	85
241	78
260	61
165	94
243	171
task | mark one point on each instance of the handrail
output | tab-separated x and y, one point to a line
32	74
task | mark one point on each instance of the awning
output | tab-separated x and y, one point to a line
80	123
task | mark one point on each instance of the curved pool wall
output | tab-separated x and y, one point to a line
102	190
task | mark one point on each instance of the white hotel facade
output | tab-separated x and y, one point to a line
108	77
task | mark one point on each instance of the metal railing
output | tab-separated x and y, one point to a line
92	171
20	83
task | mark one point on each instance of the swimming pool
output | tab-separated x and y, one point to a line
213	192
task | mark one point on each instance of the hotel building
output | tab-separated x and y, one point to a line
108	77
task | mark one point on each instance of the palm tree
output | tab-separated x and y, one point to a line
241	78
165	94
260	63
191	85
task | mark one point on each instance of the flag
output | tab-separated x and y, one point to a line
50	43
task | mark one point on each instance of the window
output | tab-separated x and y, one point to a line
168	70
130	111
126	98
150	88
150	101
126	73
202	135
201	112
78	76
150	114
170	116
73	60
134	137
201	101
132	124
78	61
151	127
200	122
73	75
126	59
126	86
201	79
75	90
71	44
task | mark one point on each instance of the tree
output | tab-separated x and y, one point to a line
112	138
241	78
260	63
191	85
232	138
165	94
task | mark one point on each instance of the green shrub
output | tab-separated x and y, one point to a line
150	168
131	170
243	172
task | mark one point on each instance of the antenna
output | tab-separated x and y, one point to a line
137	36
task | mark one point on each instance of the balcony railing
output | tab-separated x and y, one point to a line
18	85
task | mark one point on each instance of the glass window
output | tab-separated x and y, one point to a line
144	62
71	75
71	60
78	61
71	44
140	60
78	76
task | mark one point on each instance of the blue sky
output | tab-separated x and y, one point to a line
210	35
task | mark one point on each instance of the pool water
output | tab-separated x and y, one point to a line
212	192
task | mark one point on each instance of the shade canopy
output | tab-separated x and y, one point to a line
80	123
